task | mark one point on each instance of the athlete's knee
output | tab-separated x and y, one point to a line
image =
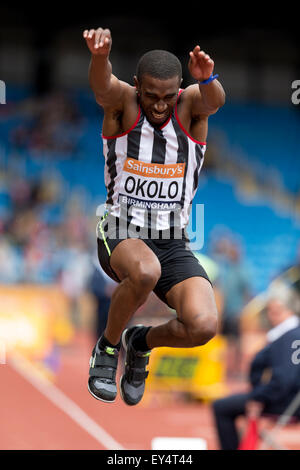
202	328
145	275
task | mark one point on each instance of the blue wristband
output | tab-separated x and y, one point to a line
210	79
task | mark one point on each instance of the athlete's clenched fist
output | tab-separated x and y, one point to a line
200	64
98	41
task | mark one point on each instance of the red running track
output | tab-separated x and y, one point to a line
42	415
36	414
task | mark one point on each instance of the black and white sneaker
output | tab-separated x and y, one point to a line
132	382
102	374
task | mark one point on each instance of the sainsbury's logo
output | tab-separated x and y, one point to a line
155	170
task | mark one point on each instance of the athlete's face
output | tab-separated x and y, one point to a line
157	97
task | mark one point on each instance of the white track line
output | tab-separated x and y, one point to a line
62	401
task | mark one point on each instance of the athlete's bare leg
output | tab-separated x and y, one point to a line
139	270
196	322
193	299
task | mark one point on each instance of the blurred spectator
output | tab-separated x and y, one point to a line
234	281
296	279
291	273
41	263
51	124
74	276
75	222
274	378
101	287
21	191
11	263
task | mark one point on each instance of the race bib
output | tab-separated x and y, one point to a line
151	186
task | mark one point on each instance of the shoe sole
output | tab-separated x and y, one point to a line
120	389
123	339
100	399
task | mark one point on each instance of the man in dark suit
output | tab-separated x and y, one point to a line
274	373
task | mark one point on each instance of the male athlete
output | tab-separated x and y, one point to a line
154	139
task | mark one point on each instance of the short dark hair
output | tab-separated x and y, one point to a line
159	64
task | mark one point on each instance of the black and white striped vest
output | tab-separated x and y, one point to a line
153	169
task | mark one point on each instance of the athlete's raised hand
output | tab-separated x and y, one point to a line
200	64
98	41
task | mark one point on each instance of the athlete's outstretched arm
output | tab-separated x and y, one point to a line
106	87
207	98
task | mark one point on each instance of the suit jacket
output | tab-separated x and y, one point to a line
274	376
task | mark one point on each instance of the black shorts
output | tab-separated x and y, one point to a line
176	259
